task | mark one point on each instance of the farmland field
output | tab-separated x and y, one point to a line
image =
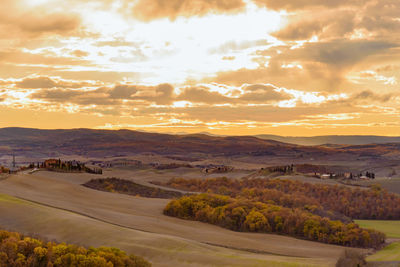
390	184
392	231
66	211
389	253
161	250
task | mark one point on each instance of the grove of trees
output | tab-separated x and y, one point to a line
240	214
358	203
17	250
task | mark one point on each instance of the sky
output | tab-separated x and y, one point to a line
232	67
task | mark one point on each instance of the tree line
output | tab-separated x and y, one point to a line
358	203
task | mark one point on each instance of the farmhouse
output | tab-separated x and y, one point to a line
348	175
50	163
325	176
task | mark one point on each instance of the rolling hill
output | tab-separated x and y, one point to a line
99	143
333	139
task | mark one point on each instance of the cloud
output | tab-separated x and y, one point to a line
141	96
305	4
59	95
30	22
155	9
340	53
82	98
45	82
162	94
37	82
58	23
205	105
122	91
325	25
202	94
382	17
350	19
79	53
259	93
21	56
322	66
369	96
119	94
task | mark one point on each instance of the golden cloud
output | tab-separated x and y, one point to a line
155	9
20	19
304	4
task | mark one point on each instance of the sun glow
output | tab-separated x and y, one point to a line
181	49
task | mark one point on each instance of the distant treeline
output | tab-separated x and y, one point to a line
287	169
130	188
252	216
315	170
372	203
65	166
17	250
168	166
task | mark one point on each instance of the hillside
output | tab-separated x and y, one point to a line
332	139
90	142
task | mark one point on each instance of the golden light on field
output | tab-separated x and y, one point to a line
236	67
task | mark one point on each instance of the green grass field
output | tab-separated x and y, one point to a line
389	253
390	228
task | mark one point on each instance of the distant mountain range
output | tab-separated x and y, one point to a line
332	139
102	143
321	139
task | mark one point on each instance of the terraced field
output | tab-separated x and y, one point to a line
56	206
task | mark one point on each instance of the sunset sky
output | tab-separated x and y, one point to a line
289	67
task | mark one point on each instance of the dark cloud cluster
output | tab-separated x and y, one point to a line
44	82
338	19
21	20
60	91
323	66
368	96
